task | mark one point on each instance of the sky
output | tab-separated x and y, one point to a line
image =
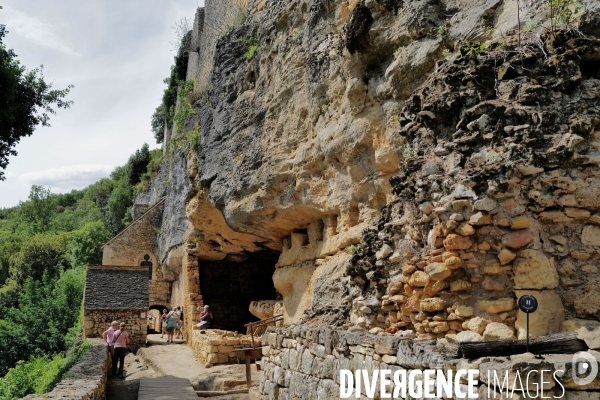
116	53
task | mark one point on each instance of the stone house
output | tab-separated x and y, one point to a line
116	294
129	283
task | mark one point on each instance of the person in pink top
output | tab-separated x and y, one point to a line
120	340
108	335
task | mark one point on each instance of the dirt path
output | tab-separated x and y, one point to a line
177	359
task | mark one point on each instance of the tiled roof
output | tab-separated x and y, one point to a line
116	288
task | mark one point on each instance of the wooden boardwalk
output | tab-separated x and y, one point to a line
166	388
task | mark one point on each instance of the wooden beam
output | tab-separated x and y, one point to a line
562	343
220	393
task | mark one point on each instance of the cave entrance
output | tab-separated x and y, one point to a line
154	313
229	287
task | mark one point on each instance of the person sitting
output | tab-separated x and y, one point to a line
206	318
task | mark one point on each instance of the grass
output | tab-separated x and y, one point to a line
251	47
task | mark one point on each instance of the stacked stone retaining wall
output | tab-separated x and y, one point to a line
304	363
215	346
97	321
86	380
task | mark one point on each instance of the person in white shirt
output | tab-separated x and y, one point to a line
108	335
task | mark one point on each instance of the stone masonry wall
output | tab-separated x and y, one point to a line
498	197
139	238
215	346
97	321
86	380
302	363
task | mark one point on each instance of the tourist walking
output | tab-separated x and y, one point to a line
120	340
172	321
163	323
108	335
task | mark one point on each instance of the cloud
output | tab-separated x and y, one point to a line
65	179
36	31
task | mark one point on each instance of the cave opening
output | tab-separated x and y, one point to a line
228	288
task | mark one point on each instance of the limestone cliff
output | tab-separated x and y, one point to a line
314	116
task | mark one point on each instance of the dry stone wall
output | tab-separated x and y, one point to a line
86	380
214	346
302	363
95	322
498	199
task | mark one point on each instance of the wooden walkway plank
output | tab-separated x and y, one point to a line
166	388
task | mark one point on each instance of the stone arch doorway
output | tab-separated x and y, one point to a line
154	313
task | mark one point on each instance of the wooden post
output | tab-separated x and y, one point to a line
528	332
248	372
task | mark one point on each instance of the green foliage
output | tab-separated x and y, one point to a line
38	211
185	106
44	243
164	113
120	200
83	243
37	326
475	49
442	32
156	156
562	12
26	101
137	164
190	138
446	53
40	374
39	255
251	47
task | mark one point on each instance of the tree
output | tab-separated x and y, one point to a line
39	209
118	204
39	255
138	164
26	101
159	122
164	113
45	311
85	244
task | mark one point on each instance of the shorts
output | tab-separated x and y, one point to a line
170	330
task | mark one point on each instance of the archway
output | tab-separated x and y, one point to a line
154	313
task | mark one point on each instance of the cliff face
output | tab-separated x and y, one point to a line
312	108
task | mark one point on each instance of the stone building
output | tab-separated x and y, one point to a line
130	282
116	294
